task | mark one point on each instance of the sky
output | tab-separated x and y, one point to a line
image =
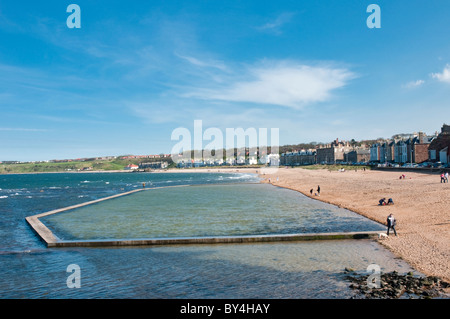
136	71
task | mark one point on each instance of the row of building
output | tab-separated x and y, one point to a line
147	166
145	156
416	148
335	152
240	159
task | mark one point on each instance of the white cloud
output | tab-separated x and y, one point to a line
204	63
275	25
280	83
444	76
413	84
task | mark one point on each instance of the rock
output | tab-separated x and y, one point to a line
394	285
349	269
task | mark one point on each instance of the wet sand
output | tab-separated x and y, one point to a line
421	207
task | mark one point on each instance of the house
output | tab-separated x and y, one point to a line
252	160
439	148
273	159
296	158
357	155
333	152
240	160
230	161
154	165
131	167
401	152
418	148
389	151
375	152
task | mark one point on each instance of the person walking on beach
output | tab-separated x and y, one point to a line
446	176
391	224
442	178
318	190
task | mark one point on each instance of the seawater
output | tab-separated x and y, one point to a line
28	269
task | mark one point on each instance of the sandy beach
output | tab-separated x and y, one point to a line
421	207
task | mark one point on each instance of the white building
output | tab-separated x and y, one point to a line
252	160
273	160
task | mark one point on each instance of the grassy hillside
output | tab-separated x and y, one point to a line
96	165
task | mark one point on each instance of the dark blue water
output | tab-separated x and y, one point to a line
28	269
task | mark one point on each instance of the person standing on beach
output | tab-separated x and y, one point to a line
318	190
391	224
446	176
442	178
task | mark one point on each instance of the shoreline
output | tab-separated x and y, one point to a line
255	170
421	207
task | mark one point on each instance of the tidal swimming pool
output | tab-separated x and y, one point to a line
205	211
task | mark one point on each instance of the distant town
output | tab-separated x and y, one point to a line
406	150
402	150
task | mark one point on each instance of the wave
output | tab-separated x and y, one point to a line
4	196
242	176
21	252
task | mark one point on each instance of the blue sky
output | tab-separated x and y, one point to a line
136	71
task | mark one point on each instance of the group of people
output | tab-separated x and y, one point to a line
444	177
391	221
317	193
383	202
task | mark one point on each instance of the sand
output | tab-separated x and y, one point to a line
421	207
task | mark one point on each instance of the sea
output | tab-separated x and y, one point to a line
202	204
